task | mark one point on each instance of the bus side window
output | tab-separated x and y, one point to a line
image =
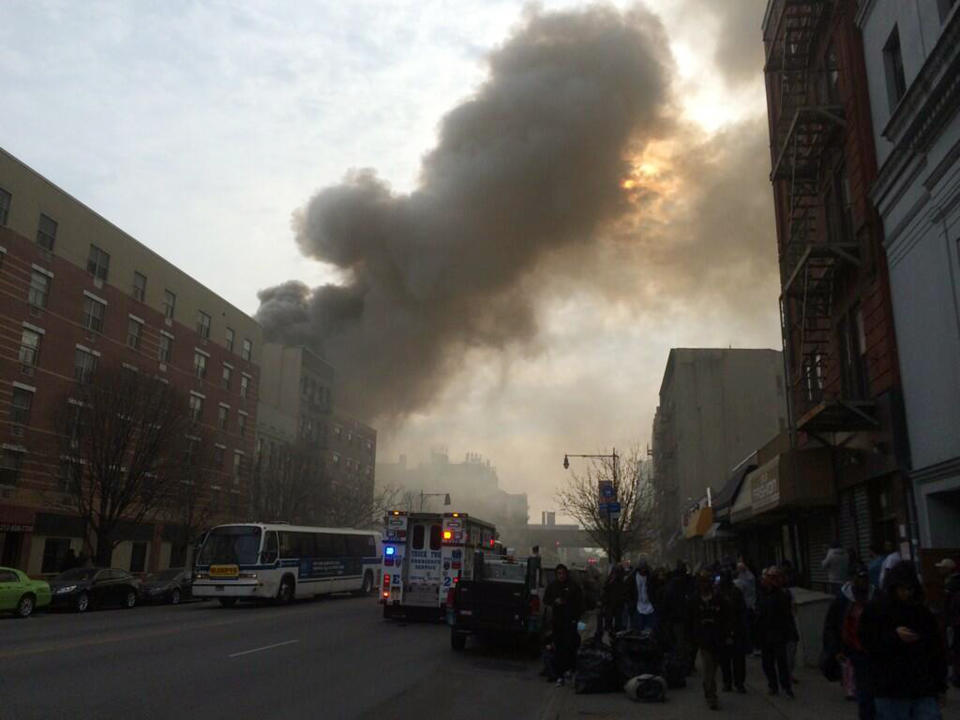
308	544
418	537
289	547
269	554
434	537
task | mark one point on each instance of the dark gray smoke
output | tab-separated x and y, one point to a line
532	163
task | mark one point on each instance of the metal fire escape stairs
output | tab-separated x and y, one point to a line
807	124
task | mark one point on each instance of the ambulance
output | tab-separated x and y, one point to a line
425	555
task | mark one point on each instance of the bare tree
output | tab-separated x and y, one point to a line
633	528
188	502
123	434
283	483
356	505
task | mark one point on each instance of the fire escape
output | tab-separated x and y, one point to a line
809	121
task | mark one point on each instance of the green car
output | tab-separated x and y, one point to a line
21	595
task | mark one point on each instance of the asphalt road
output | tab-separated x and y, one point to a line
329	658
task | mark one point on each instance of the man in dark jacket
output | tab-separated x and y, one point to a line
709	631
565	602
841	636
908	665
733	657
677	594
775	628
613	600
643	598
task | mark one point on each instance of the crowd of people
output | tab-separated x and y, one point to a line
881	641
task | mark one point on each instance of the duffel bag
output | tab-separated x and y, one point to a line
646	688
595	669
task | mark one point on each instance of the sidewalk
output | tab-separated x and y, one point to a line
816	699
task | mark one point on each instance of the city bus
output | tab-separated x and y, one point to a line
280	562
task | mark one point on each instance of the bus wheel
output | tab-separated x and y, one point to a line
367	586
227	602
458	640
285	593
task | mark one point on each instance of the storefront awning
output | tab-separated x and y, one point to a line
791	481
699	522
16	519
719	532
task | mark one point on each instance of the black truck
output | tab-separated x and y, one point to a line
501	602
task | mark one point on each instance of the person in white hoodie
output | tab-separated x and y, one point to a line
837	565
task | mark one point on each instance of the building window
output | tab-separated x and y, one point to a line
203	324
20	406
134	330
39	289
196	408
70	475
11	461
139	286
222	417
229	339
200	365
165	349
225	377
98	264
893	62
237	467
46	232
54	552
93	312
244	385
5	199
169	304
84	365
217	457
246	349
242	425
29	348
138	557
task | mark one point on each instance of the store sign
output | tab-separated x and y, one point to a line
16	528
765	485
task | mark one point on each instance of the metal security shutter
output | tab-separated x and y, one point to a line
820	534
855	521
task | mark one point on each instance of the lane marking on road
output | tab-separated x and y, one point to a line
265	647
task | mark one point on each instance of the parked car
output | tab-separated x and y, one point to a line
167	586
80	589
21	595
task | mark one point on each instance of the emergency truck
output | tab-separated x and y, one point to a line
425	555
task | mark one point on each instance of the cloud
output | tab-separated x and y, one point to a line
738	53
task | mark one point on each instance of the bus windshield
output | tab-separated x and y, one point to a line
231	545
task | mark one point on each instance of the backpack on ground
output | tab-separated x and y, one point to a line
646	688
637	654
595	669
674	672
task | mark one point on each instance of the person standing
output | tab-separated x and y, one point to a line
775	628
642	596
837	564
733	658
891	560
614	600
951	615
565	601
876	564
908	665
709	630
841	637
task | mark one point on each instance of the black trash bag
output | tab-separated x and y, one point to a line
595	670
675	672
637	654
646	688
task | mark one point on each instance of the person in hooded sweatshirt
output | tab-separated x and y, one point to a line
841	636
907	662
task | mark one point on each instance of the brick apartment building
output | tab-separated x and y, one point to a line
838	330
76	292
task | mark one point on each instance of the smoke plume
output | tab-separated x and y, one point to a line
533	163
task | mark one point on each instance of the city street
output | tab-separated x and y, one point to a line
332	658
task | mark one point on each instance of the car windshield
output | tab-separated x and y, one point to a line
164	576
231	545
509	572
77	574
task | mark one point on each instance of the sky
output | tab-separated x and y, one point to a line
212	132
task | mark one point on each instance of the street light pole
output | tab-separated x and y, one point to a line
611	536
445	496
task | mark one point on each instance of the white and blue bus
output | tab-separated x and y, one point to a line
279	562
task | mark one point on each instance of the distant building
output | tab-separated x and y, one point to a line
298	414
912	53
473	486
78	292
716	407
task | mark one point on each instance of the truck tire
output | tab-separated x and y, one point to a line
458	640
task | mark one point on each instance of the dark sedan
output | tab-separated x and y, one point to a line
167	586
83	588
